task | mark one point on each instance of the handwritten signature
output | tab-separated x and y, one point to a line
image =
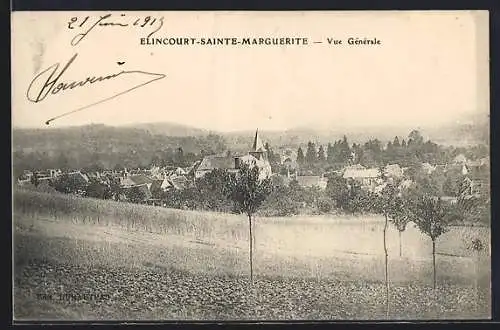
107	20
52	84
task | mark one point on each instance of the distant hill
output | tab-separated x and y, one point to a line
169	135
169	129
138	144
82	146
468	132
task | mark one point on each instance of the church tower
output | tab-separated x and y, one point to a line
258	150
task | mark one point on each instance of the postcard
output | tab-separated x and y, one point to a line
219	165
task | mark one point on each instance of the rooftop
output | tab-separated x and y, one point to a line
362	173
213	162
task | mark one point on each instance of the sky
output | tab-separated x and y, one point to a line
430	69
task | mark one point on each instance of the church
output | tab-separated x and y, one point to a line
257	156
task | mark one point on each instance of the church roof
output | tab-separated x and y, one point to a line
257	143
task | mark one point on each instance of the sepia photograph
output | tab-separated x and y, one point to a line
236	166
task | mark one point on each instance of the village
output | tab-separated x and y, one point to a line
151	185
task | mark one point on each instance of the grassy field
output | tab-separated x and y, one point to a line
91	259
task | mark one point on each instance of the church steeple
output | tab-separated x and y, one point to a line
258	150
257	143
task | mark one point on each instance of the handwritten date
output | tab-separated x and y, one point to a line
88	23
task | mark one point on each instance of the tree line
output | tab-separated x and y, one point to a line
409	152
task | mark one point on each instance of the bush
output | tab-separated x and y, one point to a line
280	203
98	190
69	185
325	205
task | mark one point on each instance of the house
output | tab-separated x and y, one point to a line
79	177
160	184
179	182
24	179
341	171
53	173
449	199
93	176
366	177
43	174
355	167
478	180
311	181
180	171
126	182
156	173
209	163
27	173
257	156
134	180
